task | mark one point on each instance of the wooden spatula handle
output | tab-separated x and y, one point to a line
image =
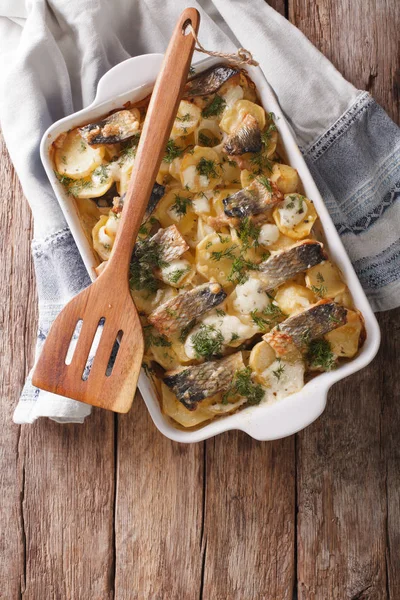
160	116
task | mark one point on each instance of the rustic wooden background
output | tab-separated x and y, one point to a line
111	509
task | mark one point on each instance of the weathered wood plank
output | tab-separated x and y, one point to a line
159	512
17	330
361	39
341	495
68	509
248	539
390	436
57	481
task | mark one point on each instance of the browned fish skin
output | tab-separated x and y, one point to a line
157	193
179	314
192	384
253	199
307	325
246	138
170	242
209	81
287	263
118	127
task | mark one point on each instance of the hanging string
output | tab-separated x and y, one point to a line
242	56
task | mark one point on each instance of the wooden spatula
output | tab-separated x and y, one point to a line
109	298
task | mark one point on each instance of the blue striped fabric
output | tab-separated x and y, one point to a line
356	165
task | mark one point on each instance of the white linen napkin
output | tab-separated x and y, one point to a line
52	55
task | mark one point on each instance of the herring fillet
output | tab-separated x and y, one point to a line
306	326
209	81
170	241
116	128
253	199
284	265
246	138
179	314
192	384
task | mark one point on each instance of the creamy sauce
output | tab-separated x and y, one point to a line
293	211
250	296
172	268
282	378
189	176
112	226
201	205
228	325
268	235
232	95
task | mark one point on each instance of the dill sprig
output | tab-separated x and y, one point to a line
248	233
226	253
102	173
207	167
214	108
321	289
240	266
319	354
244	386
261	323
146	258
172	151
260	163
207	342
278	372
129	148
207	141
177	275
181	204
265	182
150	339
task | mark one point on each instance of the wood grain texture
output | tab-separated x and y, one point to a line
249	520
361	38
17	334
159	512
112	510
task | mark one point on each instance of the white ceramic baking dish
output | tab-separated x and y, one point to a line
133	80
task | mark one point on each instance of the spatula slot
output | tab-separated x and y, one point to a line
93	349
73	342
114	352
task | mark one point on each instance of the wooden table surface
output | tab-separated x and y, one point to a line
112	509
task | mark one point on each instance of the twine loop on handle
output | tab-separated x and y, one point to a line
242	56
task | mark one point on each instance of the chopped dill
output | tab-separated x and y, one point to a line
240	266
82	147
234	337
192	70
185	117
214	108
265	182
207	167
181	204
207	342
261	323
154	340
64	160
146	257
244	386
224	240
177	275
227	253
220	312
102	173
260	163
319	354
248	233
279	371
129	148
172	151
207	141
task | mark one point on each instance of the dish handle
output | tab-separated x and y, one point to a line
288	416
129	74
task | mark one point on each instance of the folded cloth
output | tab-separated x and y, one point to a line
53	53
